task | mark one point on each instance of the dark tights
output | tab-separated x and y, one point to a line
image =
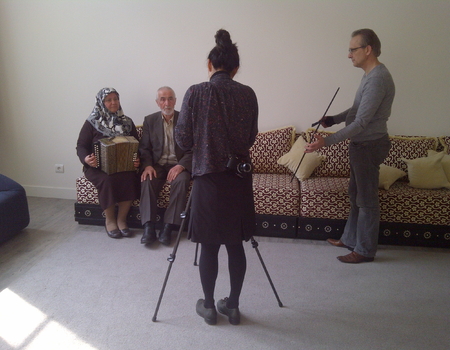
209	268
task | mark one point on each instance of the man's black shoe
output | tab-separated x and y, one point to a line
166	235
149	235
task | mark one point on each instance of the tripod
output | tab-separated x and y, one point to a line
172	257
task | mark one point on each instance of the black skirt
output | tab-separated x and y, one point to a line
222	209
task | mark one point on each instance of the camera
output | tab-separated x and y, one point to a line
239	166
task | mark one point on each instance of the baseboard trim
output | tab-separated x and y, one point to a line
51	192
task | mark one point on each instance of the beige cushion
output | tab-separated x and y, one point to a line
445	162
388	175
427	172
292	159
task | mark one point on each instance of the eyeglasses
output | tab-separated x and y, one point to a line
356	48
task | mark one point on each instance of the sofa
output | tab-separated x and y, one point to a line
14	214
314	203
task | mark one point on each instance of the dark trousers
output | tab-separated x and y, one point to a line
362	227
178	195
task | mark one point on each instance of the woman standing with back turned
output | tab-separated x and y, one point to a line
219	121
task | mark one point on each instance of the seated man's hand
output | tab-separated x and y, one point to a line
148	171
173	173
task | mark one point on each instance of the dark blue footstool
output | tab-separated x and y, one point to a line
14	214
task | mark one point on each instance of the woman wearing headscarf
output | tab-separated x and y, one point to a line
219	122
108	120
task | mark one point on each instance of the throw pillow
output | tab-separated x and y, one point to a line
410	147
268	147
388	175
427	172
292	159
445	162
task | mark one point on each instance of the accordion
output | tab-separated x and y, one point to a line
116	154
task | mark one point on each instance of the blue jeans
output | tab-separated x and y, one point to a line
363	224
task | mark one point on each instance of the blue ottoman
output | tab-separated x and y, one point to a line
14	214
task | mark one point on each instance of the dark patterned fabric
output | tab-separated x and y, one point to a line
217	118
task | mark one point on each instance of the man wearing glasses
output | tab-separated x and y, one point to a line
366	126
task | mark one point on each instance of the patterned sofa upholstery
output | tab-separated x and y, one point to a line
409	216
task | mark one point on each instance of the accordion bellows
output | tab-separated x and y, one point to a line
116	154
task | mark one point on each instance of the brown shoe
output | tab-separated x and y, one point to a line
354	258
337	243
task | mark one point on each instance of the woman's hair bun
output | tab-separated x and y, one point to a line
223	39
225	54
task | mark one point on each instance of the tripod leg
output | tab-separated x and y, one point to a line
255	245
162	291
196	255
172	256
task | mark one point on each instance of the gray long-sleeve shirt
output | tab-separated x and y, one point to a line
367	118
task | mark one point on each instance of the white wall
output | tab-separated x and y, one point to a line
56	55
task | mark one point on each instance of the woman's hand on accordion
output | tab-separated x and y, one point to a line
137	163
91	160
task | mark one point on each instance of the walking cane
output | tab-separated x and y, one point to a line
315	131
